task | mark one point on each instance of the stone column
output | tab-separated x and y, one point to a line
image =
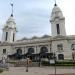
48	49
36	49
26	49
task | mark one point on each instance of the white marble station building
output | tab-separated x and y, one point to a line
59	43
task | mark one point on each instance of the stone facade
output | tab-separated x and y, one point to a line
59	43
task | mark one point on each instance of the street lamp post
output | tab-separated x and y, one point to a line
3	61
55	62
27	65
39	60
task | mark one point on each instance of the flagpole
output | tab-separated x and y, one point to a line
12	9
55	3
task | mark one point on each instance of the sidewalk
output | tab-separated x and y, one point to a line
38	71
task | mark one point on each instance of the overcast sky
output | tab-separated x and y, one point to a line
32	16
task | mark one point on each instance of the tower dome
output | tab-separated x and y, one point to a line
56	12
10	23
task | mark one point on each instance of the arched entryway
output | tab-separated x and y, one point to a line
43	53
19	51
18	54
30	52
60	57
43	49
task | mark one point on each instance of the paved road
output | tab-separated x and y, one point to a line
37	71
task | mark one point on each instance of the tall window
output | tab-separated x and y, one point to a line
13	36
73	46
58	28
6	36
60	47
4	51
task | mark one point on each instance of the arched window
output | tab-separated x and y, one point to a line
73	56
43	50
61	57
73	46
31	50
19	51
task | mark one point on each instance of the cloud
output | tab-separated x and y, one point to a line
32	16
34	21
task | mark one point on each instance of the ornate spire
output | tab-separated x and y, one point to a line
55	3
12	9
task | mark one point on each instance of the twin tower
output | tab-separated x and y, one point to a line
57	26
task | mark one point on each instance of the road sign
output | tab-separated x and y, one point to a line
52	61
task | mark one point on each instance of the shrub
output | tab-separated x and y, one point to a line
1	70
12	62
59	63
45	63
